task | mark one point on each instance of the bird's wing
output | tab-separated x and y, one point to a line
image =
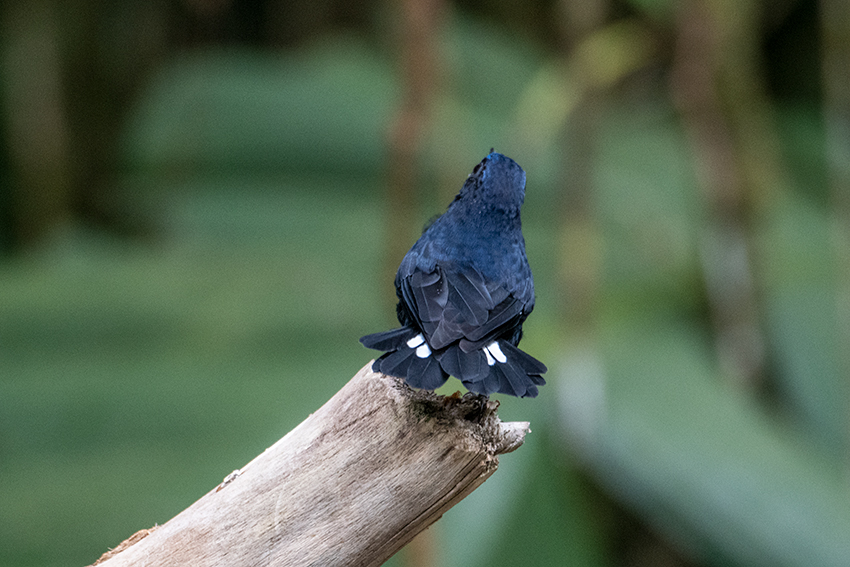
454	305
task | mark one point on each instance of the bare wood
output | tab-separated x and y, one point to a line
351	485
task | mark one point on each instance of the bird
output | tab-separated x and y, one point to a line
464	290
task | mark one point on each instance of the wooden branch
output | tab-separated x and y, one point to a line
351	485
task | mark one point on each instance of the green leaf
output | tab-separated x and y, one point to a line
657	427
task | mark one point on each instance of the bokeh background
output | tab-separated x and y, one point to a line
203	203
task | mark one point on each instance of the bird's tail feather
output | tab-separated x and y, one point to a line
497	367
388	340
506	370
408	356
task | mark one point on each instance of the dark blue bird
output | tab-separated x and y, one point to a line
464	290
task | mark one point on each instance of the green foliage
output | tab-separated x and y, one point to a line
325	110
702	463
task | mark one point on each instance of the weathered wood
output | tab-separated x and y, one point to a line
351	485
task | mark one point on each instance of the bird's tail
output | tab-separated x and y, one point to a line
496	367
407	356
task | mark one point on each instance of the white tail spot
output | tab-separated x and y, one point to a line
416	341
493	350
422	351
490	360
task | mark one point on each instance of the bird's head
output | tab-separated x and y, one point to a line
497	181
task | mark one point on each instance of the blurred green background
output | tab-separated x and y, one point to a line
203	203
